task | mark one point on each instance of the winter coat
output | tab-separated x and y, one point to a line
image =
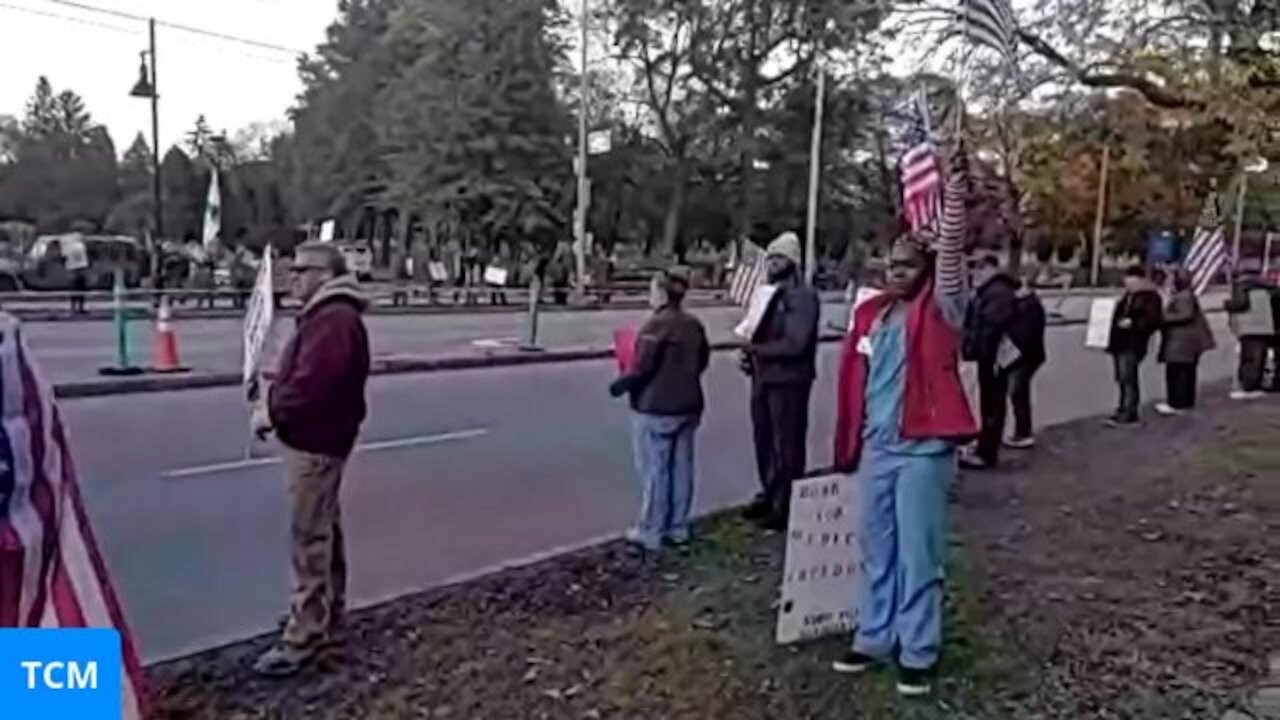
317	401
988	318
1253	309
672	352
1145	312
1027	328
1186	334
785	347
934	405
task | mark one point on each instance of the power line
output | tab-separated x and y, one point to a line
68	18
176	26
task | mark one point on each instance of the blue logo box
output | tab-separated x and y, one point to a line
60	674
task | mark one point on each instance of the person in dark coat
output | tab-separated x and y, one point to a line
986	328
315	407
665	385
781	360
1252	314
1026	331
1138	316
1184	337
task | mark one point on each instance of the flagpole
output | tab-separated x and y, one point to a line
815	175
1104	177
580	219
1235	240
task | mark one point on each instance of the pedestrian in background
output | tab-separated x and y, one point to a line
1138	316
1184	337
1026	331
316	407
665	385
901	413
1252	315
781	360
986	329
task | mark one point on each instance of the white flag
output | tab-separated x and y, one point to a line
213	214
258	319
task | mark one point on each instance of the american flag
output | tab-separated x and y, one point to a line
990	23
51	572
748	275
1208	252
921	175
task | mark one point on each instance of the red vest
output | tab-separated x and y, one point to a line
933	404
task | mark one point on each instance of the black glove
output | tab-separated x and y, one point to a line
744	361
619	387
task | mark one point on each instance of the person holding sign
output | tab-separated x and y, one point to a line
901	414
1183	339
316	407
986	342
780	356
1138	316
664	380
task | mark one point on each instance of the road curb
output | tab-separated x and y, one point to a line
391	365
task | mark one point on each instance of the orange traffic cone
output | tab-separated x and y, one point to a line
164	344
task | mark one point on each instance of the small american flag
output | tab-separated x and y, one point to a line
1208	252
990	23
748	275
52	574
921	175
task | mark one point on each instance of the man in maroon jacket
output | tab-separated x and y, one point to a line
315	407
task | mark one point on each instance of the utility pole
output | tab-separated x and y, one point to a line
155	138
1103	179
584	200
815	177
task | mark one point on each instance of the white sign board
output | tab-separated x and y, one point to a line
328	229
496	276
1101	314
823	571
75	255
258	319
761	298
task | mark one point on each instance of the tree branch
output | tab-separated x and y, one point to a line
1154	93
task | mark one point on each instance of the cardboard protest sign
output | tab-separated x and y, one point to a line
823	570
761	298
1101	314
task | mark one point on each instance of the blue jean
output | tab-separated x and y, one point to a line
664	461
904	540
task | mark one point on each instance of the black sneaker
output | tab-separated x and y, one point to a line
915	683
757	510
854	663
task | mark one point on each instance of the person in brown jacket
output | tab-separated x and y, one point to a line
665	385
1184	337
315	407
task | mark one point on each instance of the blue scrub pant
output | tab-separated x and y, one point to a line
904	541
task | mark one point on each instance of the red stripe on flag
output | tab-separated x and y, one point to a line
42	492
11	565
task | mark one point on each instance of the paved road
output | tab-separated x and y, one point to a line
466	470
76	350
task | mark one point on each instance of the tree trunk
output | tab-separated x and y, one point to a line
675	209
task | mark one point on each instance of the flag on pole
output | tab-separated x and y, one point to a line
213	214
748	274
1208	252
990	23
921	175
257	322
52	574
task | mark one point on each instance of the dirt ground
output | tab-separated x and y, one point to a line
1108	574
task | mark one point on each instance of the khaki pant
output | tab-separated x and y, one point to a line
316	546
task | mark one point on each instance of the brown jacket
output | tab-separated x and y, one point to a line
1186	334
671	354
317	402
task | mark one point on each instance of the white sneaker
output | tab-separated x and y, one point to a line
1020	443
1247	394
1167	410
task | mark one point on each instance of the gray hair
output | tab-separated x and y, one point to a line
332	256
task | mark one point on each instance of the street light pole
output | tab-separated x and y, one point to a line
155	140
580	217
815	178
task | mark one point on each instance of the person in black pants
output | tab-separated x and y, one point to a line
1138	315
986	327
1184	337
781	360
1026	331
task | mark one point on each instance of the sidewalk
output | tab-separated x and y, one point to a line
1107	574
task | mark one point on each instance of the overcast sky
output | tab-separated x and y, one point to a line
96	55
